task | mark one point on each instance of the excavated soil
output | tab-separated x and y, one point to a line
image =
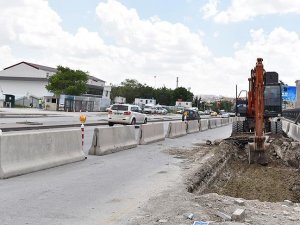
273	183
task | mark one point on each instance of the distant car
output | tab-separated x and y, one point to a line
195	108
149	109
204	115
126	114
190	115
160	110
213	113
225	115
231	114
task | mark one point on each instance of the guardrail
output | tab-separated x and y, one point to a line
292	114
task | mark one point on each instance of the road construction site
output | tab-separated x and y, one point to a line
219	186
197	173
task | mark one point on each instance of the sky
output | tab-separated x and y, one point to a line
210	45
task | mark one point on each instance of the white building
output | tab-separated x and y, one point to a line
119	99
183	104
29	79
144	101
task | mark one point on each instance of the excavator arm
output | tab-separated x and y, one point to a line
257	153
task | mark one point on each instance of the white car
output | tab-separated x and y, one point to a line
149	109
160	110
225	115
126	114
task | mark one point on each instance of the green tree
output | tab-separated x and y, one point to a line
163	96
182	93
131	89
68	81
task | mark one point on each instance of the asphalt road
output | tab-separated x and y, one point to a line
100	190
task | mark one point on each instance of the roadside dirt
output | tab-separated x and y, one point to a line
216	175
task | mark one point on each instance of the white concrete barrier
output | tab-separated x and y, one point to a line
22	153
151	132
176	129
294	131
218	122
192	126
285	126
225	121
212	123
107	140
204	124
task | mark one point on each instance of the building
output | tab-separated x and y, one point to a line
119	100
144	101
183	104
25	80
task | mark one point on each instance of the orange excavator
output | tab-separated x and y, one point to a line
261	111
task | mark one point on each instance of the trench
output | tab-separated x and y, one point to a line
228	173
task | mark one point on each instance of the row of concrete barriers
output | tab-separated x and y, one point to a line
291	129
22	153
107	140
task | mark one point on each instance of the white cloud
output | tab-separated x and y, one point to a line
210	9
241	10
216	34
140	48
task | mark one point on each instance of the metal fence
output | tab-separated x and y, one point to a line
291	114
27	101
78	105
71	103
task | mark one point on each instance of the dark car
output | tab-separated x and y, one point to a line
190	114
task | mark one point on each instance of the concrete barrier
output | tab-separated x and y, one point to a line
294	131
204	124
218	122
107	140
22	153
192	126
225	121
212	124
151	132
285	126
176	129
240	118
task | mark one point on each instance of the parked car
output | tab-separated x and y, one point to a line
149	109
190	114
160	110
126	114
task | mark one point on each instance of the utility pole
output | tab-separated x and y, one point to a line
176	82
